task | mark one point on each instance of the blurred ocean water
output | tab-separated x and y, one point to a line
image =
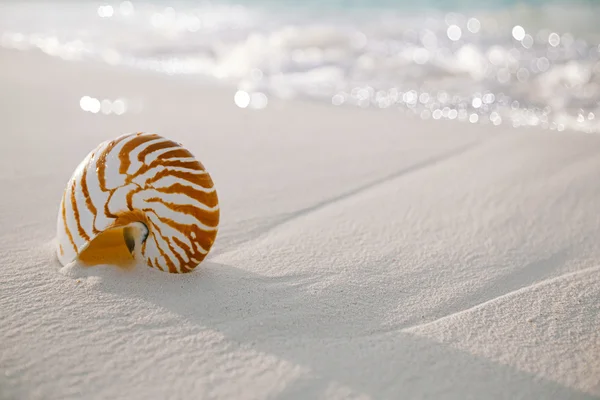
522	63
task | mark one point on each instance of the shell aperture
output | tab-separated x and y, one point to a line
138	197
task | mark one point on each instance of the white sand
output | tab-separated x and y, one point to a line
361	255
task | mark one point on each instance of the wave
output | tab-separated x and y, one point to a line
522	65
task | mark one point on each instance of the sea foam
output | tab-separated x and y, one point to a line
517	65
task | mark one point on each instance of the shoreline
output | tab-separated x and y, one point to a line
560	122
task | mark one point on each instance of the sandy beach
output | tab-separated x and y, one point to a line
360	254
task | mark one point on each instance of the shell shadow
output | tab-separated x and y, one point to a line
281	317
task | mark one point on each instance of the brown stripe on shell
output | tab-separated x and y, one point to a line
80	229
170	265
157	248
86	195
187	176
183	269
67	230
190	252
175	153
187	249
155	147
191	165
204	238
203	180
149	263
209	199
175	253
130	146
101	163
208	218
106	210
130	195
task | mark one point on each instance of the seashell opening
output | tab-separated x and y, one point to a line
119	246
139	197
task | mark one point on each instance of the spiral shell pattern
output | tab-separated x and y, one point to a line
141	178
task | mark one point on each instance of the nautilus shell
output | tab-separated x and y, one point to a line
140	198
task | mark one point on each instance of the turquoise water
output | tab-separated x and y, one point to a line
521	63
